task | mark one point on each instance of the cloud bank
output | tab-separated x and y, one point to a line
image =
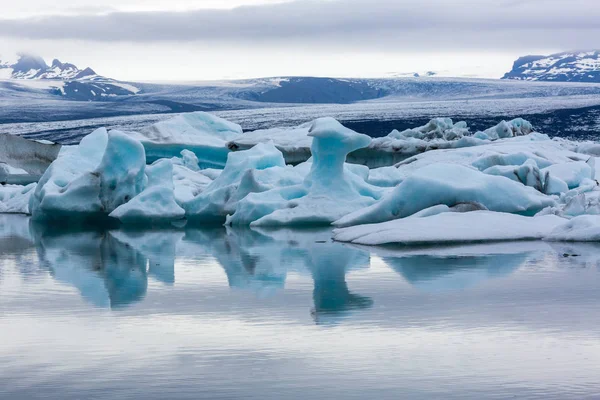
364	24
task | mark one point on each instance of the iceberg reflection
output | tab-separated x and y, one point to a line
107	272
111	268
462	266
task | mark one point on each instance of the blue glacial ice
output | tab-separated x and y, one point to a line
190	170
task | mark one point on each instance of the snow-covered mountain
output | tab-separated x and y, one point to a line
581	66
30	66
62	79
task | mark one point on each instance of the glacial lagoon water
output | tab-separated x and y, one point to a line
246	314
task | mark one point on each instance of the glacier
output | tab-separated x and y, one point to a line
423	185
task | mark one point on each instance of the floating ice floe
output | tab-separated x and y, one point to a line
583	228
252	171
476	226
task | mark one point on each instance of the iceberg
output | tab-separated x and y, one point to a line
156	203
450	184
476	226
328	192
203	134
14	199
28	155
106	170
515	127
256	170
293	142
583	228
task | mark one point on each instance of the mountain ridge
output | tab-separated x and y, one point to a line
568	66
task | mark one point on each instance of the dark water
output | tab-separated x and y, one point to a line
240	314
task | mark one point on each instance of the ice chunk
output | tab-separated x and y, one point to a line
385	176
190	161
92	179
293	142
121	171
516	159
29	155
474	226
156	203
240	177
14	199
204	134
554	185
188	184
450	184
516	127
528	174
328	191
584	228
572	173
437	128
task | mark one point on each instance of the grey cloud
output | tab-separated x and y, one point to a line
377	24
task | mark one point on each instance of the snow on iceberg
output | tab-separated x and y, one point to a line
204	134
450	184
443	228
328	192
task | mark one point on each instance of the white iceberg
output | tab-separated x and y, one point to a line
293	142
476	226
583	228
14	199
28	155
204	134
573	173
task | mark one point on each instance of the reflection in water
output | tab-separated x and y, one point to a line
110	268
106	271
462	266
204	339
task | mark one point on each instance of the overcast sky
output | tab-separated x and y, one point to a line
220	39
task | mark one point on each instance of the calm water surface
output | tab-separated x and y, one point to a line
242	314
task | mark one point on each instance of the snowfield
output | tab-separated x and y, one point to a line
451	184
